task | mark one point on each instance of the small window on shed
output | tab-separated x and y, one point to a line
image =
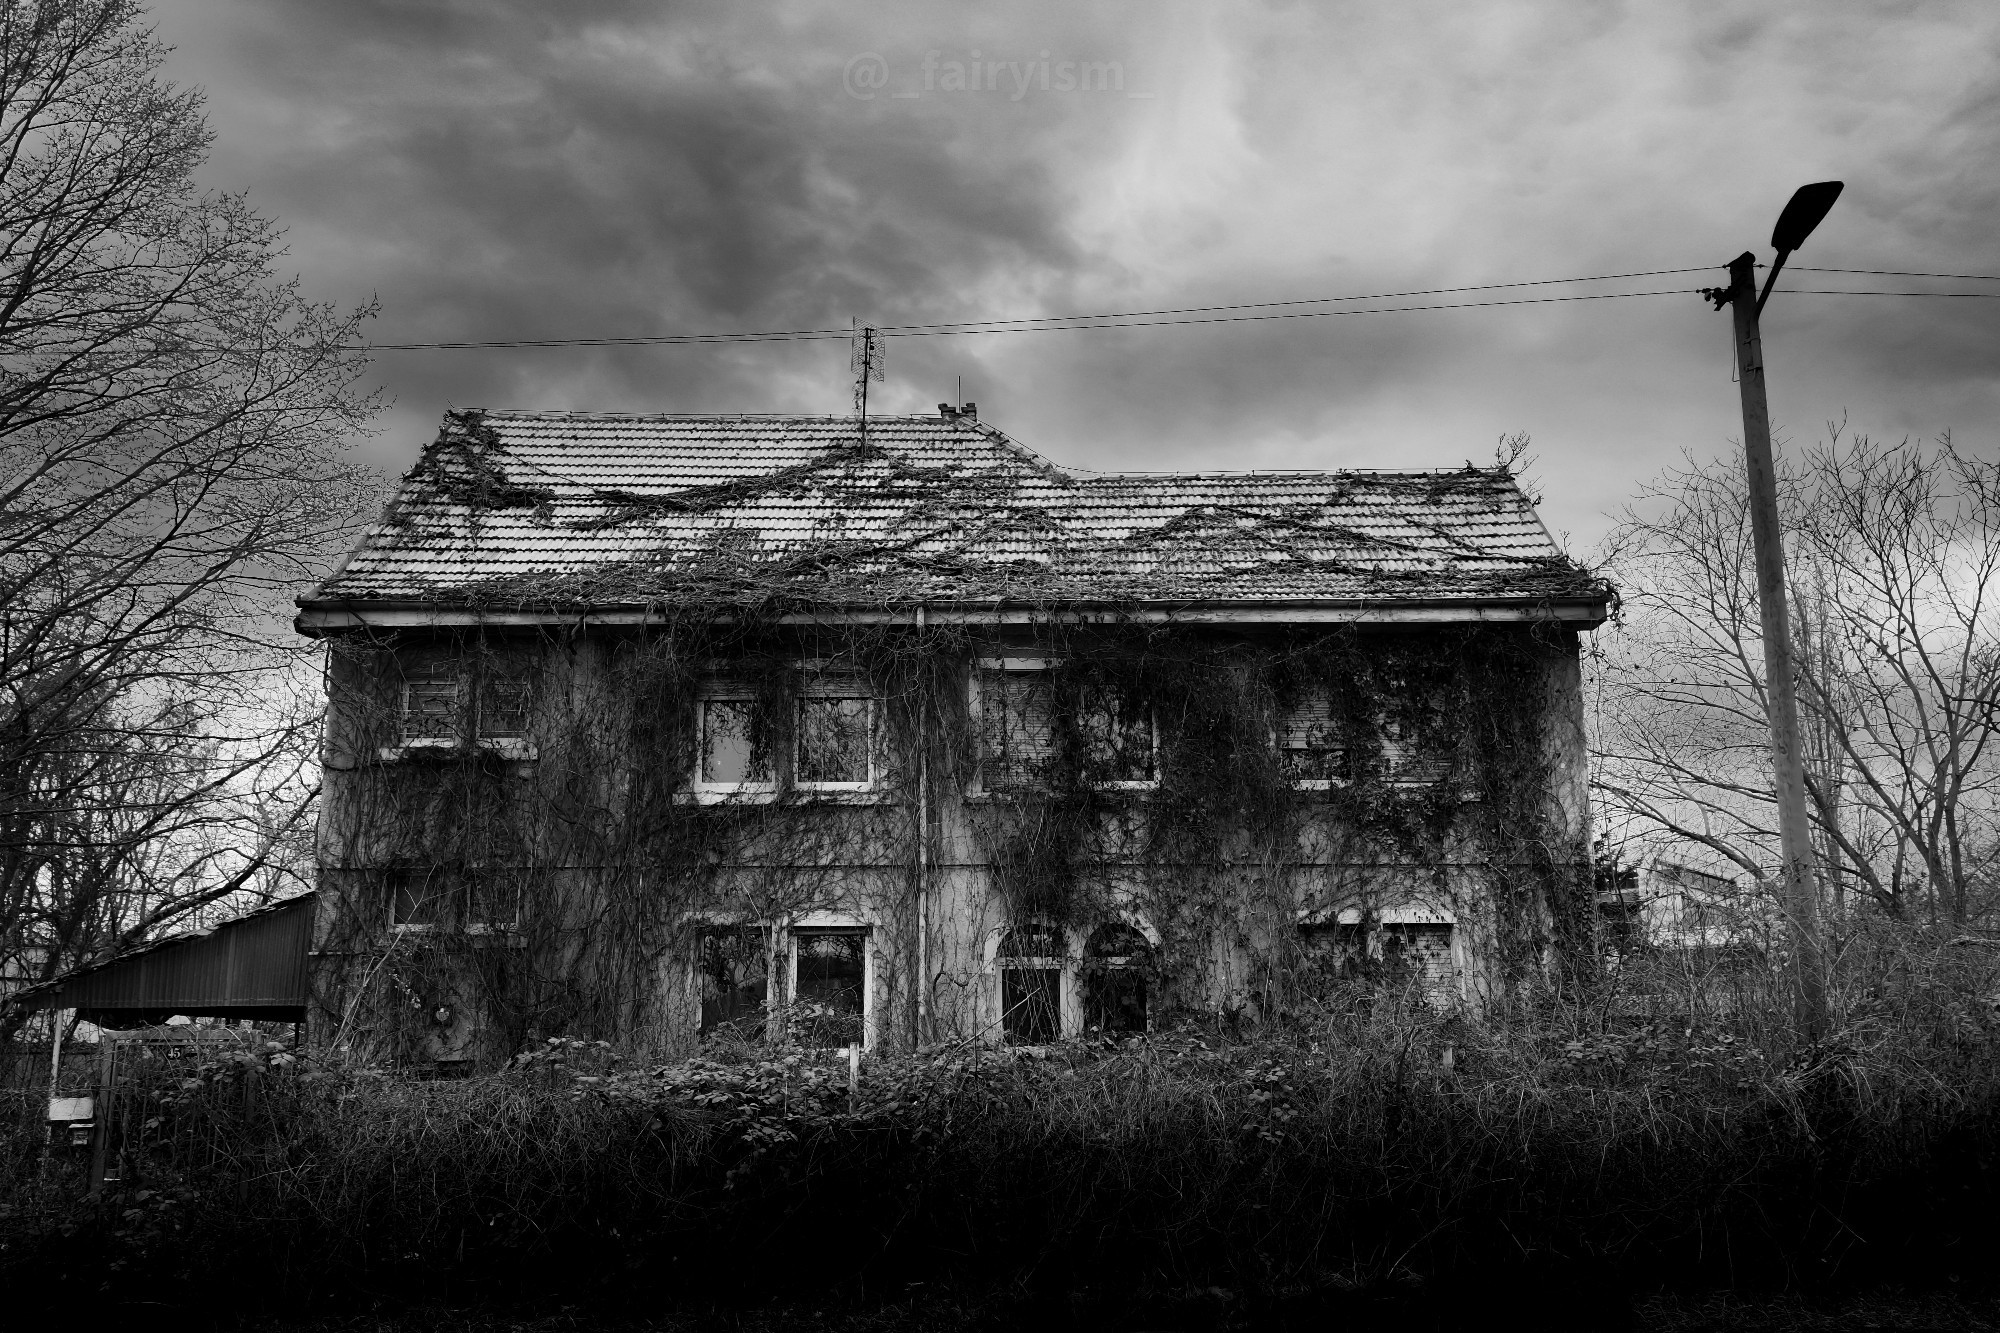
732	964
829	992
1031	967
1116	960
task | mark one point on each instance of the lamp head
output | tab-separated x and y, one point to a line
1807	208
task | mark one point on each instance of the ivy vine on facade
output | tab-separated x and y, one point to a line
673	729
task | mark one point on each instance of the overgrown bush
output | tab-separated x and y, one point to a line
1369	1142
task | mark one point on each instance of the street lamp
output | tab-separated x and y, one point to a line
1797	888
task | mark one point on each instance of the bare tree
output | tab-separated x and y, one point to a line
172	420
1893	552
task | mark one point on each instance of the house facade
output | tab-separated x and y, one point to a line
673	729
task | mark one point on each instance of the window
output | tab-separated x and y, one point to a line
735	746
475	901
834	741
829	988
450	700
1406	757
1031	968
1336	950
732	965
1311	750
1120	747
1116	960
1017	733
1019	741
1417	956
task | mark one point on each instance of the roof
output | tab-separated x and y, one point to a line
251	966
539	510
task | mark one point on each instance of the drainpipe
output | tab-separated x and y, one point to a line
923	848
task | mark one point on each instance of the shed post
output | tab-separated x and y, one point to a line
100	1139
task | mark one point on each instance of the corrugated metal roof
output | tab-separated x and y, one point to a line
253	966
519	508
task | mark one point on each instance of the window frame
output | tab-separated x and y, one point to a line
1028	664
464	888
1063	965
469	678
1279	749
726	692
831	925
837	688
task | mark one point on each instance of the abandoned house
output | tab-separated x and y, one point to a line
672	729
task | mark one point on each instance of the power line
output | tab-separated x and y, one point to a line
1897	273
1053	322
1185	315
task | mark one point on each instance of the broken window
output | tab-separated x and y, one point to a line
1311	749
735	753
1016	730
829	986
1031	963
835	741
1116	962
1119	745
732	964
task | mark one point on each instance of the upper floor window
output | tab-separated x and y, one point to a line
1020	740
453	699
733	735
834	739
1311	750
823	738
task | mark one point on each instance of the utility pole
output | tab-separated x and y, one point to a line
1798	889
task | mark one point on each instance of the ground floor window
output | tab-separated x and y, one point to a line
830	985
732	965
1116	960
1031	968
1418	955
1413	956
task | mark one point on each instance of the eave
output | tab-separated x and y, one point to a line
321	618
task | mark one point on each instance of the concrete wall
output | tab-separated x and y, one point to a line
604	944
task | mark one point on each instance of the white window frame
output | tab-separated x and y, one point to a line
828	923
1069	997
1278	751
839	688
709	793
1029	664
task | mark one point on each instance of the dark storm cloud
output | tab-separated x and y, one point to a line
517	171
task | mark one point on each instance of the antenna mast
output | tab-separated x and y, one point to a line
866	362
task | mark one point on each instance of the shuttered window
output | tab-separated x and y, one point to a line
1310	746
1017	735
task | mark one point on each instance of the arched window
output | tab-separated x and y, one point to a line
1031	967
1116	958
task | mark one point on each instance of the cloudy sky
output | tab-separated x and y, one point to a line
491	170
